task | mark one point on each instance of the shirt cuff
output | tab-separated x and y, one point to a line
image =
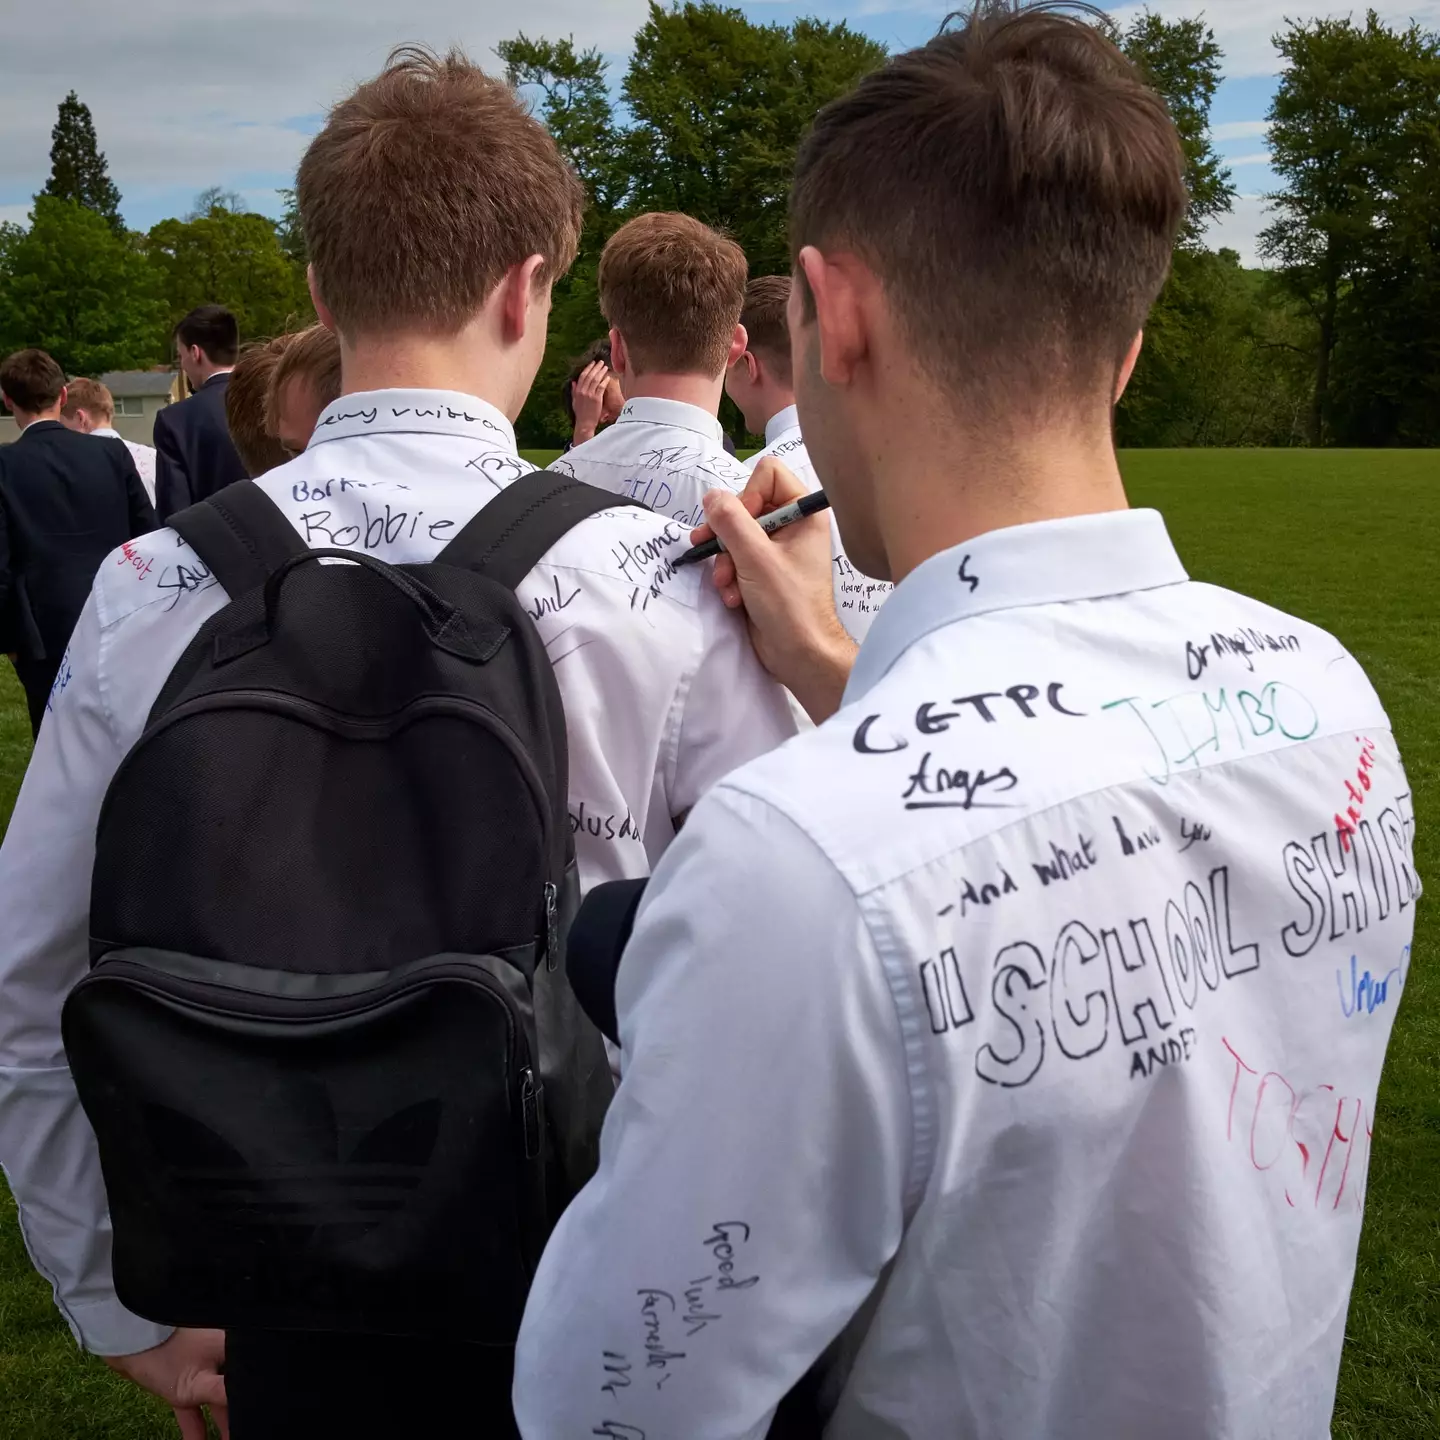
106	1327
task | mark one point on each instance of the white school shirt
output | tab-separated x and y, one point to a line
857	596
1013	1037
142	455
662	696
664	453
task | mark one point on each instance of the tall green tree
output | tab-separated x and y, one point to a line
1355	139
1181	61
77	167
576	107
234	260
718	107
72	286
715	107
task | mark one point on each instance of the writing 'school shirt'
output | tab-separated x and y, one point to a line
857	597
664	453
662	696
1012	1039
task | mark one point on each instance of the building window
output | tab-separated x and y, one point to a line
129	405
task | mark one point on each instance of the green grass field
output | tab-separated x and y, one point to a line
1348	540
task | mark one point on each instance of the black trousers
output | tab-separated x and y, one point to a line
36	677
366	1387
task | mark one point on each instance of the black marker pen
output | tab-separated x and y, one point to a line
776	520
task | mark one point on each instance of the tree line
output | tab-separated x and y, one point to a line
1337	342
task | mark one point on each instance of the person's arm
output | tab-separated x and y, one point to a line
172	482
783	585
47	1148
754	1163
731	711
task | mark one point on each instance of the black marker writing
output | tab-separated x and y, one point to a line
966	788
973	581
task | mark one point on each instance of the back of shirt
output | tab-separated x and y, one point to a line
664	453
1140	873
1062	979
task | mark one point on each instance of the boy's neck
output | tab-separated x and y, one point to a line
702	391
407	362
955	487
771	405
25	418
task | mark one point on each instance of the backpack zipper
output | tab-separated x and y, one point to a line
552	925
530	1112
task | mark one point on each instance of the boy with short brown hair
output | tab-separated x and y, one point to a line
438	213
671	289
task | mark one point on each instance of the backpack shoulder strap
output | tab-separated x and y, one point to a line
241	534
509	534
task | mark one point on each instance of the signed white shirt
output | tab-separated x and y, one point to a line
664	453
857	596
142	455
662	696
1012	1039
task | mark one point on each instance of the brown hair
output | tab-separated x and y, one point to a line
31	380
245	404
673	288
425	186
88	395
763	316
1016	188
312	355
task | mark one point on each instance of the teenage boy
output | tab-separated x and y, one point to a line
986	1041
671	289
434	265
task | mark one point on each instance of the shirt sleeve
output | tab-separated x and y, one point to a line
753	1163
47	1148
731	710
172	484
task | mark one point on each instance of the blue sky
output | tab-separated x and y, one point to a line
226	92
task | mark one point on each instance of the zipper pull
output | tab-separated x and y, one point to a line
530	1094
552	926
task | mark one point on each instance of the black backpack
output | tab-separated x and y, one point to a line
327	1044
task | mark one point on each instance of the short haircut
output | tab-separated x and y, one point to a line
88	395
673	288
599	350
425	186
1016	188
311	355
32	380
215	330
245	405
763	316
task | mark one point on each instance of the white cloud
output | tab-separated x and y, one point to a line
1239	129
225	92
1260	157
1240	229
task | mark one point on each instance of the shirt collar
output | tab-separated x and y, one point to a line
780	422
413	412
1084	557
108	431
651	410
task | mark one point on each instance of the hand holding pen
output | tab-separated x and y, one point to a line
782	582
